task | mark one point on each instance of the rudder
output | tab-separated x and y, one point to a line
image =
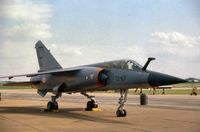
45	58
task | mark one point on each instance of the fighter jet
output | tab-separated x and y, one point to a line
113	75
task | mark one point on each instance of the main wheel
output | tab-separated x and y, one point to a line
55	105
50	106
89	106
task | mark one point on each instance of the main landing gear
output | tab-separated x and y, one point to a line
121	112
90	104
52	105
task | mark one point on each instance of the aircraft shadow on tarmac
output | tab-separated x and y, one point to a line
63	113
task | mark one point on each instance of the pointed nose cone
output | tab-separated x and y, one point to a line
159	79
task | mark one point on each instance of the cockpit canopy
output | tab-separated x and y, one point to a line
121	64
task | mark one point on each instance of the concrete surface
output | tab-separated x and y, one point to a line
22	110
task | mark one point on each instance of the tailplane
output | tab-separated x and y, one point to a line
45	58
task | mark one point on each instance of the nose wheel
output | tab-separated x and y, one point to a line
121	112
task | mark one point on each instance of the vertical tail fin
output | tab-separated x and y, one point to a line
45	58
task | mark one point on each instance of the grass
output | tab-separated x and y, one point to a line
14	87
167	91
186	85
183	88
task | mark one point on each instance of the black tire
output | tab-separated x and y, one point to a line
121	113
89	106
143	99
94	104
50	106
55	105
118	113
124	113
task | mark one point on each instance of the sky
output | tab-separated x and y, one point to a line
79	32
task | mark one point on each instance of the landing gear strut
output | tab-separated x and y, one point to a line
90	104
121	112
52	105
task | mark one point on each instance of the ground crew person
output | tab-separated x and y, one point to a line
194	91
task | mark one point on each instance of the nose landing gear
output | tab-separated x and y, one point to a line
121	112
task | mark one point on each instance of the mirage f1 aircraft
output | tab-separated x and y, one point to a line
113	75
